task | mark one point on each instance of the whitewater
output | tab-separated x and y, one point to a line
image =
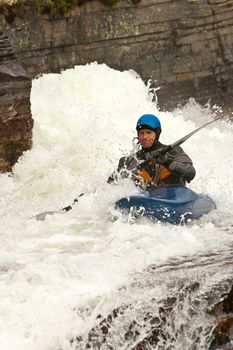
58	275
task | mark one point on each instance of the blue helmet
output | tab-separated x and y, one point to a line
149	121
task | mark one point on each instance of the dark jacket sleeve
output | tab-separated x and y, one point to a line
181	164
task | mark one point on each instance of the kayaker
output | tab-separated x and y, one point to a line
175	168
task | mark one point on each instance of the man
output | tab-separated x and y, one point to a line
147	167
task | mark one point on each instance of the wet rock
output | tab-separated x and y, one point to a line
15	114
145	333
225	305
191	318
223	331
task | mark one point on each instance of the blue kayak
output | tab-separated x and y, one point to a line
173	204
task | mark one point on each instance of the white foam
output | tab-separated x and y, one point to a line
84	121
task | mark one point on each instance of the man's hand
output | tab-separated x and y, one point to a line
166	159
158	157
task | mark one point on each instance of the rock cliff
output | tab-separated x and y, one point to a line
184	46
15	115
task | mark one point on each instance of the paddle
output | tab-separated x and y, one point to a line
159	153
42	216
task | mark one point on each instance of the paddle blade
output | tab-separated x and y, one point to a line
43	215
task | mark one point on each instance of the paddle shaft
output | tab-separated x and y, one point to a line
42	216
168	148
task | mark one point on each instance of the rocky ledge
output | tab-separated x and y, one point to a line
15	115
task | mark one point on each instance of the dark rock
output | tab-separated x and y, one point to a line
15	115
223	332
184	47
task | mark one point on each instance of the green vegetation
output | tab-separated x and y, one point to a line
64	5
53	6
61	5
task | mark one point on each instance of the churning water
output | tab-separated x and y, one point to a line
58	275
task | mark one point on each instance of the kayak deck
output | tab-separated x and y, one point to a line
173	204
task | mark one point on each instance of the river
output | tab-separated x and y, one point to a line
58	275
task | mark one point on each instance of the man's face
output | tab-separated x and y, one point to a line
146	137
